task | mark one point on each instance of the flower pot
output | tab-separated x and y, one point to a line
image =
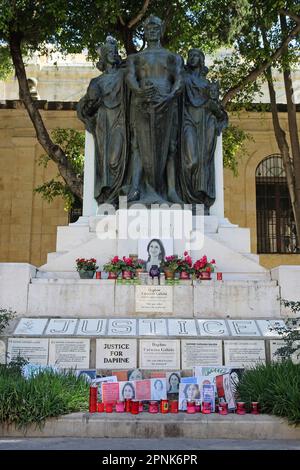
184	275
126	274
204	276
86	274
169	274
112	275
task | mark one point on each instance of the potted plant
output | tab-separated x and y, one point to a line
113	267
86	267
169	266
203	268
127	267
139	266
185	265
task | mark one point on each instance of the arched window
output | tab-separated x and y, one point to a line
276	231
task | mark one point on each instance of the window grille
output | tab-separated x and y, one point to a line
276	230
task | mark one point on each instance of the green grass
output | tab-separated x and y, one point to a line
48	394
276	387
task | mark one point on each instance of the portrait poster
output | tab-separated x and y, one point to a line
127	390
224	390
101	380
173	380
158	389
154	250
88	374
143	389
134	374
209	395
188	391
110	392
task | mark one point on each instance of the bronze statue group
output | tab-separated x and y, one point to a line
155	122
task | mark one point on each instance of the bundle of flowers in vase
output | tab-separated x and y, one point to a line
128	267
113	267
185	266
203	268
170	265
86	267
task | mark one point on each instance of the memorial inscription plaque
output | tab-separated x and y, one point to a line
157	299
200	352
160	354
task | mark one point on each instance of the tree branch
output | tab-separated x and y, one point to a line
121	20
140	14
55	152
257	71
292	15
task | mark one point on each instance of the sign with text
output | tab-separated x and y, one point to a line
70	353
116	353
34	350
200	352
160	354
158	299
244	353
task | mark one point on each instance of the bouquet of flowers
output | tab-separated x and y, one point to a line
170	263
139	264
127	264
114	265
185	263
83	264
203	265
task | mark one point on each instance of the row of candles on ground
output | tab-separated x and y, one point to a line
165	406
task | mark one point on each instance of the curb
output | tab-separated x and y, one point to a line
147	425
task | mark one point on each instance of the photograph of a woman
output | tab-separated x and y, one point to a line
154	251
173	381
127	390
158	389
187	392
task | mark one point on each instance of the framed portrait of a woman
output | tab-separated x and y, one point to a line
154	250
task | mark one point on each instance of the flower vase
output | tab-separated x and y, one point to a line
169	275
204	275
112	275
126	274
184	275
86	274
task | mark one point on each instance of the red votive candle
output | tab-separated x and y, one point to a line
120	407
164	406
223	408
206	407
197	406
93	399
254	408
128	405
135	407
98	274
191	408
240	408
100	407
173	406
141	407
109	406
153	407
219	276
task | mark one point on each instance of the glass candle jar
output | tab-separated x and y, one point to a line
153	407
191	408
206	407
240	408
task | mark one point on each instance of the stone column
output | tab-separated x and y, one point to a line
217	208
89	202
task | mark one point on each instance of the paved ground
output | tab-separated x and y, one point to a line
145	444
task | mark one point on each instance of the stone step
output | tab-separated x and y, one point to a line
147	425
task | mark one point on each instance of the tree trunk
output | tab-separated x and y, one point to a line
293	127
56	154
284	150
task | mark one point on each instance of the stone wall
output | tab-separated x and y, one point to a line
28	224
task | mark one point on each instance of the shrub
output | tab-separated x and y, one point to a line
275	386
48	394
5	317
